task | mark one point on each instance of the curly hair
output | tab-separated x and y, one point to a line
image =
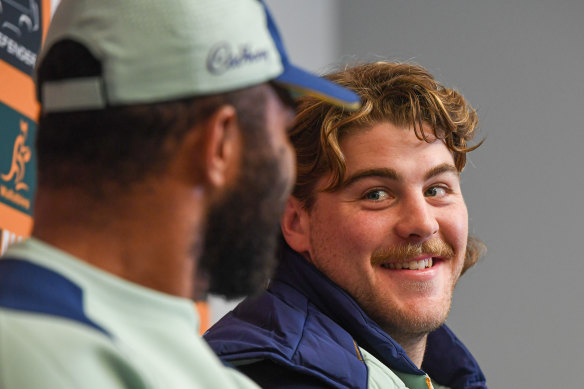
406	95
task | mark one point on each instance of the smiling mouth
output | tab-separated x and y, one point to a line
412	265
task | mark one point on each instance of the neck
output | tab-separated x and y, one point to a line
414	345
149	239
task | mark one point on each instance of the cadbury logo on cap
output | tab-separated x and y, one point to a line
222	57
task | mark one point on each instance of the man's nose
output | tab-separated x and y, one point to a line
417	220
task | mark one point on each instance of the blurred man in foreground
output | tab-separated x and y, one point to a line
162	153
375	238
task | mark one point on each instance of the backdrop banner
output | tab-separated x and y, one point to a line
23	26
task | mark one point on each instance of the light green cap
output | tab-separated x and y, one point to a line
162	50
153	50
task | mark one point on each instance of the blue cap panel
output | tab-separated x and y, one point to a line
304	82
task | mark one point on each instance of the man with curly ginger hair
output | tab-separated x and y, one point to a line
375	238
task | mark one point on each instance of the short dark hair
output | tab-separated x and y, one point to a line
111	148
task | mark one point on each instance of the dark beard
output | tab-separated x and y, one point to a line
242	228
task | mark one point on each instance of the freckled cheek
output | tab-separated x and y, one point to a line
362	235
346	234
454	227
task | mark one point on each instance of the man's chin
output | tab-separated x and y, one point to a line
412	321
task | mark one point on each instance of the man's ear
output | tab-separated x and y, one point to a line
295	226
221	146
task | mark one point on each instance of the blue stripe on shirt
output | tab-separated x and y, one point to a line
28	287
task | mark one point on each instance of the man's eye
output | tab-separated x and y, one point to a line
436	191
376	195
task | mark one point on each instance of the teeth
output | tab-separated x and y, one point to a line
412	265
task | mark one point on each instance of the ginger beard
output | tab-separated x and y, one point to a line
414	322
404	308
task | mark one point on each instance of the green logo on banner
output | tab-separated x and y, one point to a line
17	175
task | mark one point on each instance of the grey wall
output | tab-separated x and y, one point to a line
521	63
310	30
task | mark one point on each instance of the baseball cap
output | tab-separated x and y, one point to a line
154	51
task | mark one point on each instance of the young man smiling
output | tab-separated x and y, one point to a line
376	238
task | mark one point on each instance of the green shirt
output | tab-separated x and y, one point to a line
142	338
382	377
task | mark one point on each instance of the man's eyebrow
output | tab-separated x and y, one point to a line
441	169
378	172
393	175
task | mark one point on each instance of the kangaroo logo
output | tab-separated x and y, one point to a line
20	157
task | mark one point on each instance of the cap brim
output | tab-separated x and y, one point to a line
305	83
